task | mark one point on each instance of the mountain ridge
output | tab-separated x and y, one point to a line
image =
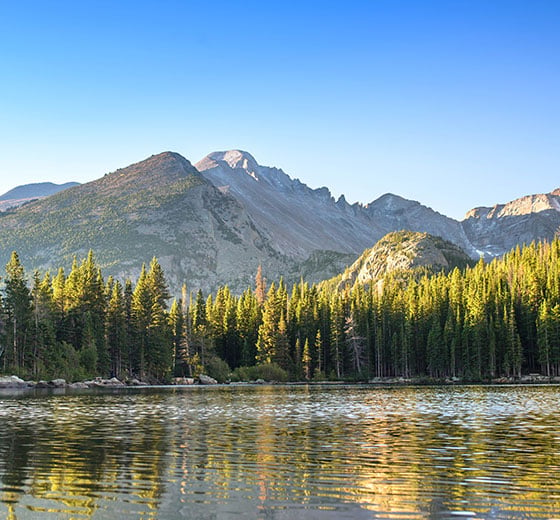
215	221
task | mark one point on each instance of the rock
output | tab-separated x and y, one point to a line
183	381
12	382
403	251
260	382
99	382
78	385
42	384
113	382
206	380
57	383
137	382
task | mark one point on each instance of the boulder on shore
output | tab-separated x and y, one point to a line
12	382
79	385
206	380
137	382
182	381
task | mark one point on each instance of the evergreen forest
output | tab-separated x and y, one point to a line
496	319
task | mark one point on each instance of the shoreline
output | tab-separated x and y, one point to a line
14	383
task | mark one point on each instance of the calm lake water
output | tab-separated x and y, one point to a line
282	452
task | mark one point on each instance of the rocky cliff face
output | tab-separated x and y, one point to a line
394	213
296	219
299	220
494	231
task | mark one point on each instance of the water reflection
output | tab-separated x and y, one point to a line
282	452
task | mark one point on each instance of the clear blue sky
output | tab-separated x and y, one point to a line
452	103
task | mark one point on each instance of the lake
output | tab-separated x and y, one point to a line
282	452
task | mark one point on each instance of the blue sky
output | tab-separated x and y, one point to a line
452	103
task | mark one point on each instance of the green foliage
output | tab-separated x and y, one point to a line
88	360
64	363
218	369
90	216
267	372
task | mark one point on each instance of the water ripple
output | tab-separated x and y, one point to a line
282	452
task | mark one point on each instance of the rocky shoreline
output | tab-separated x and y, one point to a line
15	383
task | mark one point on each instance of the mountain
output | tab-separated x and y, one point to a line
403	251
217	221
299	220
394	213
295	218
494	231
28	192
158	207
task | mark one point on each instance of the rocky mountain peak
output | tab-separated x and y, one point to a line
234	159
479	212
239	159
161	169
403	251
527	205
389	203
165	164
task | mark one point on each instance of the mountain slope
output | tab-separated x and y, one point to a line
403	251
296	219
36	190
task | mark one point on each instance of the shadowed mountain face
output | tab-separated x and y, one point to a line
214	224
36	190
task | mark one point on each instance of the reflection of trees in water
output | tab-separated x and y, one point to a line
390	463
73	462
15	453
269	446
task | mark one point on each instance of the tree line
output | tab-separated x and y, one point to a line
495	319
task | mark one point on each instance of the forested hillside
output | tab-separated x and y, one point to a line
486	321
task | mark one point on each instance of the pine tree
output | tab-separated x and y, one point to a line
260	286
544	330
18	310
268	331
306	360
116	330
177	322
43	323
141	315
